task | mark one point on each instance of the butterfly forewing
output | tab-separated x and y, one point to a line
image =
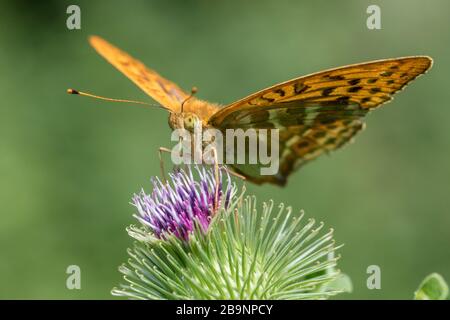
368	85
162	90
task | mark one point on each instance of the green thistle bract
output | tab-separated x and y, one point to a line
249	251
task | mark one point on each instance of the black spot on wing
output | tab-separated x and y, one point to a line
267	99
354	89
335	78
374	90
342	100
300	88
327	91
303	144
326	121
354	82
331	141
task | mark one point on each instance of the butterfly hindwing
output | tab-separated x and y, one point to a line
300	144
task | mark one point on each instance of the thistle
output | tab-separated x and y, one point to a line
174	207
199	239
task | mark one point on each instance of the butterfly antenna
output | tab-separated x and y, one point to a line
193	92
85	94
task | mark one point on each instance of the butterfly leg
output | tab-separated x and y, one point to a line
229	171
235	174
161	161
216	176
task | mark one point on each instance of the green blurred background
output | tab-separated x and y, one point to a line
69	165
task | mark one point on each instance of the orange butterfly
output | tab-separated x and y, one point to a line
315	114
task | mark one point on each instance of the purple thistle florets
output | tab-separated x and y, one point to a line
173	207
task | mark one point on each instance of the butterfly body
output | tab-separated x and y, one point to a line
314	114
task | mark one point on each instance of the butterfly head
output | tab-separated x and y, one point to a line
184	120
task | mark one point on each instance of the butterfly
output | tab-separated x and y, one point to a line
315	114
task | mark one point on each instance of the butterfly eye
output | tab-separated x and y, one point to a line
190	121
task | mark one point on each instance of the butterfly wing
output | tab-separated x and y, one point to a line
319	112
162	90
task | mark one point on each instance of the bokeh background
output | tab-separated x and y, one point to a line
69	165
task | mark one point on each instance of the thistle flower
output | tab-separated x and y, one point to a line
177	206
241	250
